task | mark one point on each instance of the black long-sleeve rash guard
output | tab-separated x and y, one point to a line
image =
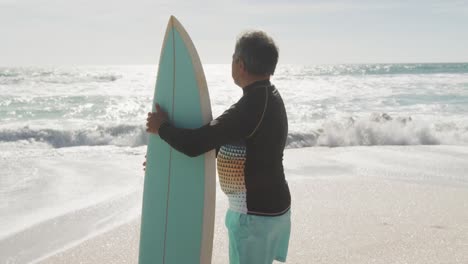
251	137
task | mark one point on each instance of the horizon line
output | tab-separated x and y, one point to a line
279	64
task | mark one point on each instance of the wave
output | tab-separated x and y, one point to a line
12	76
120	135
286	71
380	130
377	130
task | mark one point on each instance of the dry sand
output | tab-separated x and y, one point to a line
350	205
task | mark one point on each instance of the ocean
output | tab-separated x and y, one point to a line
72	139
331	105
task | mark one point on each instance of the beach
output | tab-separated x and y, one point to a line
376	161
392	204
376	147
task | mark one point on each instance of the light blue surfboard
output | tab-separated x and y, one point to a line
179	192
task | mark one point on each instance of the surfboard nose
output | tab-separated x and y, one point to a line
173	20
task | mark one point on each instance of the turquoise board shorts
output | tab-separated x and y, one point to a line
258	239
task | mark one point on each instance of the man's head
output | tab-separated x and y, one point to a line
255	58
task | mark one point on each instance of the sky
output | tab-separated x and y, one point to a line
103	32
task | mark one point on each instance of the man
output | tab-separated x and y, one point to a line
250	138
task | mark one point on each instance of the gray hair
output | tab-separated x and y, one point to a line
258	52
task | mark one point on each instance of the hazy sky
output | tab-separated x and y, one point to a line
51	32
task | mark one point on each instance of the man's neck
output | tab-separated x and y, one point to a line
253	79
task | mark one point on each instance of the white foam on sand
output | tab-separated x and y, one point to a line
382	204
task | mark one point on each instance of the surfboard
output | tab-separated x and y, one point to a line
177	221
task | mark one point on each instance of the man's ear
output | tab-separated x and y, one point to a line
241	65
